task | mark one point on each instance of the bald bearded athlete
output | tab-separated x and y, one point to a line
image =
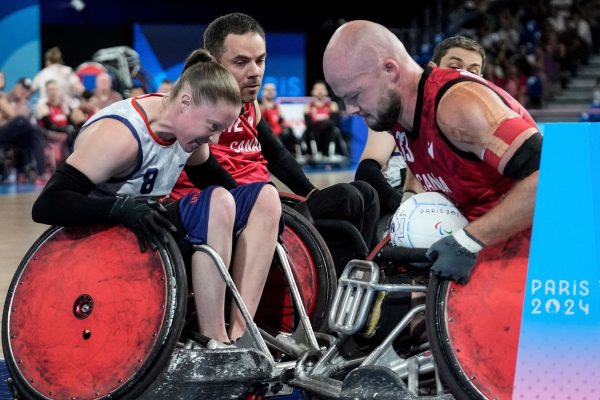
459	134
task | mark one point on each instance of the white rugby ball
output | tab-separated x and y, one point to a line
423	219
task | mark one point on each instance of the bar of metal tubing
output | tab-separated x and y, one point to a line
379	350
403	373
329	354
344	365
310	334
326	387
281	366
250	325
277	344
413	375
356	301
344	304
401	367
439	387
384	287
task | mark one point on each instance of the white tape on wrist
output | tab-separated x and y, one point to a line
467	242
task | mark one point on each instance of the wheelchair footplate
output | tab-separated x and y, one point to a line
375	382
210	374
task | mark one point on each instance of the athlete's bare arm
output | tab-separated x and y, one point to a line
470	114
199	156
333	107
379	147
411	184
104	150
6	109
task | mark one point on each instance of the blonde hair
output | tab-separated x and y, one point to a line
208	80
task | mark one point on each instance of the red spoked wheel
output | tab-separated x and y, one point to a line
474	329
313	270
88	316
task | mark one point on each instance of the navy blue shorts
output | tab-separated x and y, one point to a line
194	210
245	197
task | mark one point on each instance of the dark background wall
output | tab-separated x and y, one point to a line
107	23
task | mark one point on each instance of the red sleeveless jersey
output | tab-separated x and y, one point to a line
237	149
272	116
320	113
472	185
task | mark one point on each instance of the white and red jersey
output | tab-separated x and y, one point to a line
237	149
472	185
319	112
159	161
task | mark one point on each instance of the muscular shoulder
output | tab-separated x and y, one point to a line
469	113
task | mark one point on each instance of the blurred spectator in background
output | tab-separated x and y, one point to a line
322	116
18	131
63	75
53	112
596	91
271	113
104	94
137	90
535	88
54	115
593	112
165	86
85	110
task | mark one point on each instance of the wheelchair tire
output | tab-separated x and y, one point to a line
313	268
88	316
474	329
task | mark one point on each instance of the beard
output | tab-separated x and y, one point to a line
248	98
387	116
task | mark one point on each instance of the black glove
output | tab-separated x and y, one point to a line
454	256
143	217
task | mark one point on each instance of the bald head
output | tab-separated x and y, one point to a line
360	45
363	60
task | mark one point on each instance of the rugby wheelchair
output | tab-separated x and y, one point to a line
87	316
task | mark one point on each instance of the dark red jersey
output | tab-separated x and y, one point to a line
319	112
473	185
272	116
